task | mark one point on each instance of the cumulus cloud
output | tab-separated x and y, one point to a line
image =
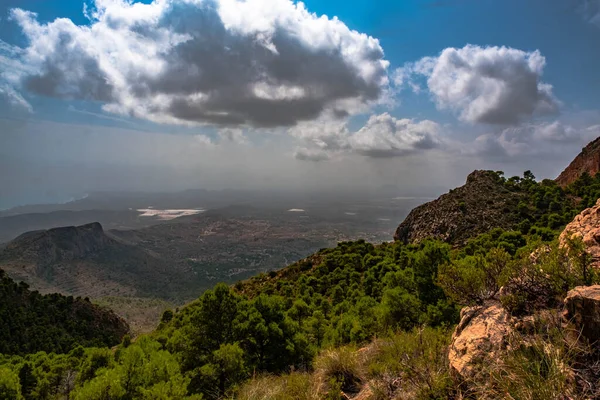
262	63
529	140
232	135
311	154
386	136
492	85
326	134
382	136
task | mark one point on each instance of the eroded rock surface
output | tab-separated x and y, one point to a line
586	226
583	309
479	337
587	161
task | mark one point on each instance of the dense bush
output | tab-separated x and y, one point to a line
31	322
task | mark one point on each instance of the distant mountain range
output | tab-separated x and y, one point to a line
176	260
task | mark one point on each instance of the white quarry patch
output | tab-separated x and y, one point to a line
168	214
296	210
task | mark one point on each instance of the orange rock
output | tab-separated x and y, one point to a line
583	309
587	161
586	226
480	335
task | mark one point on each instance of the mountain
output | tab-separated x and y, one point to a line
86	261
12	226
32	322
586	161
483	203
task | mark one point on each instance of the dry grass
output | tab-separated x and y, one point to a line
409	365
537	365
544	361
294	386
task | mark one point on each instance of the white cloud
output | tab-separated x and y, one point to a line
255	62
233	135
386	136
381	136
327	134
11	70
9	97
314	154
537	139
405	76
493	85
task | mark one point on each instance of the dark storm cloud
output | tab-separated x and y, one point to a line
222	62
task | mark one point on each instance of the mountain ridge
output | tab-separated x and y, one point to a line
587	161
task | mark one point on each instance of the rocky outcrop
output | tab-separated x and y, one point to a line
583	309
586	161
86	261
60	244
586	226
481	334
481	204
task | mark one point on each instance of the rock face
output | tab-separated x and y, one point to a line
480	335
586	226
481	204
85	261
583	309
586	161
61	244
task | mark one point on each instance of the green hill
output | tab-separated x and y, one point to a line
32	322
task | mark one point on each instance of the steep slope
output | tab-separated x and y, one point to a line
32	322
586	161
86	261
481	204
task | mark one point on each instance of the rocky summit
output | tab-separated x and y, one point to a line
481	204
586	161
60	244
586	226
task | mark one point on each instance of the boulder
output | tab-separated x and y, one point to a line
586	225
479	337
583	309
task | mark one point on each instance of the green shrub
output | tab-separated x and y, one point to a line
411	362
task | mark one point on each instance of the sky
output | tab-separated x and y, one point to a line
411	95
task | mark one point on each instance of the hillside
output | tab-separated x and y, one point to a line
490	200
588	161
32	322
86	261
484	202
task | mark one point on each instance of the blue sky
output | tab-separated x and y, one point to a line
397	98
